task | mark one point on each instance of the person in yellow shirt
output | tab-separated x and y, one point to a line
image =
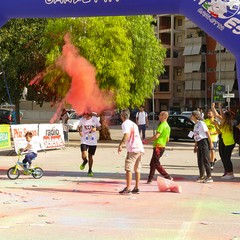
214	136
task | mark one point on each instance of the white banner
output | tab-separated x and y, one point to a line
18	134
51	136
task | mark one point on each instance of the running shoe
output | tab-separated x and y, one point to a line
83	164
136	191
200	179
125	191
228	176
90	173
208	180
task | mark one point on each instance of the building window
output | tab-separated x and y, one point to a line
179	22
179	39
164	87
179	88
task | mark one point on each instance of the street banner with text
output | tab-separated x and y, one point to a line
5	140
51	136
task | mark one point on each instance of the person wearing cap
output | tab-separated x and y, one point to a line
203	144
88	125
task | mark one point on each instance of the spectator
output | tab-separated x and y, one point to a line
142	122
203	144
160	140
135	150
64	119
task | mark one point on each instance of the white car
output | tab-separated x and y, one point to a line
186	114
73	122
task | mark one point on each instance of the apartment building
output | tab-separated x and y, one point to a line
193	63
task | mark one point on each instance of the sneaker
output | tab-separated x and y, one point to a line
125	191
83	164
200	179
136	191
212	165
208	180
90	174
149	181
228	176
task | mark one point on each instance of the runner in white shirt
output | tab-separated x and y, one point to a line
135	150
88	125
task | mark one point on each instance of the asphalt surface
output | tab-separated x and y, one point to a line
67	204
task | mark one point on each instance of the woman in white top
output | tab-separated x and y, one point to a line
203	144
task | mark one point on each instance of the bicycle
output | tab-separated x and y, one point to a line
14	172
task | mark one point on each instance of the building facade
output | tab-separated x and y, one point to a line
194	62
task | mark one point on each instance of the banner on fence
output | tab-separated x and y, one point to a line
18	135
5	139
51	136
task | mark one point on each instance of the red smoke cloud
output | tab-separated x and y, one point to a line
84	94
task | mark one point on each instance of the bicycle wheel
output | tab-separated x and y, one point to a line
37	172
13	173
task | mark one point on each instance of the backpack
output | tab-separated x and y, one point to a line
236	134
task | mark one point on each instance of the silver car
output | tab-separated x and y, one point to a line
73	122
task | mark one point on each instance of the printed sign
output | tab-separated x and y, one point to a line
18	134
5	141
218	90
51	136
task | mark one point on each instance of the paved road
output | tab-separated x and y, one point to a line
66	204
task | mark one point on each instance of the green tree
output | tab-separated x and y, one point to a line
127	56
20	56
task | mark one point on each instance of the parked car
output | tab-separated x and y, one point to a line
155	115
6	116
73	122
180	126
186	114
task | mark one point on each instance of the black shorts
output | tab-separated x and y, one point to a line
91	149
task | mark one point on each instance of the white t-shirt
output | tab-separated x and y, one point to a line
200	129
33	147
134	143
89	137
141	117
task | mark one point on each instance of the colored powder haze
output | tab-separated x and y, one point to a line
84	94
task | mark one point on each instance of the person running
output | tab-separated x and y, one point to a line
160	140
135	150
87	127
142	121
210	122
203	144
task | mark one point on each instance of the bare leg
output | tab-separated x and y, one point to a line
90	162
128	179
137	179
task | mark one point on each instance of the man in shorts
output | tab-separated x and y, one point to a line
160	140
88	125
135	150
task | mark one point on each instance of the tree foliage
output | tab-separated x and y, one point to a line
127	56
20	55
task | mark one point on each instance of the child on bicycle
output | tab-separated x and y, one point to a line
31	151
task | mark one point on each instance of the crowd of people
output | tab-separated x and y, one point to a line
212	130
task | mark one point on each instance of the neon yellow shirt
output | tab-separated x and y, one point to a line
164	130
227	137
212	129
